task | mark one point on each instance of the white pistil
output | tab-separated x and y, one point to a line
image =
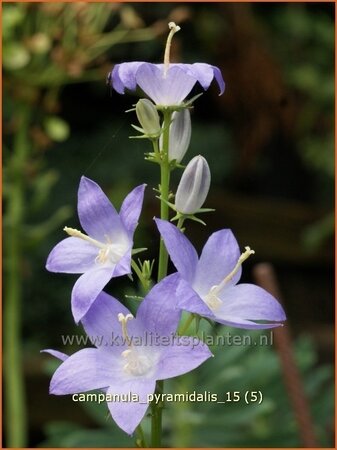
76	233
123	320
173	29
136	364
212	299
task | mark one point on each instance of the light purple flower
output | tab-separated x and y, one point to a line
166	86
208	285
133	353
105	252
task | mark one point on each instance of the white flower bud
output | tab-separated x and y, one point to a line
180	135
148	117
194	186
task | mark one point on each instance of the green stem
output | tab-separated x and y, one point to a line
156	423
164	191
15	419
141	441
187	324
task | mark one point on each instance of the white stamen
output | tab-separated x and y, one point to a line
212	299
173	29
76	233
108	252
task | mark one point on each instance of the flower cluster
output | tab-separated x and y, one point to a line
205	286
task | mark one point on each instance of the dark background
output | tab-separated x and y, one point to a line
269	143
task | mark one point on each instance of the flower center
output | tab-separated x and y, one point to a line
173	30
212	298
136	363
108	252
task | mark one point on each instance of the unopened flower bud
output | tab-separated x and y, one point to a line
194	186
180	135
148	117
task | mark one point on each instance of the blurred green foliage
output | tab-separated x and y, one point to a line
308	67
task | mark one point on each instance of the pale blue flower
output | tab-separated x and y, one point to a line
208	285
148	350
165	87
102	254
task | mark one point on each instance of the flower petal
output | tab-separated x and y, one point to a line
158	312
83	371
219	79
189	300
183	355
102	326
237	322
72	255
169	90
129	414
131	208
124	265
97	215
218	258
87	288
56	354
123	76
204	74
150	78
245	303
181	251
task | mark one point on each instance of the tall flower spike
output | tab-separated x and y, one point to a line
105	251
167	84
118	367
208	285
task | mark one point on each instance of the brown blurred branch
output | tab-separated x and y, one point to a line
264	275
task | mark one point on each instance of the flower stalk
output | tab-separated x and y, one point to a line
15	420
165	169
164	191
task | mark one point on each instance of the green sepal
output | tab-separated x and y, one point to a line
151	137
204	210
138	128
171	205
180	215
181	106
187	216
135	251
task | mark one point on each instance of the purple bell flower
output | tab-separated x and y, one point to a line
102	254
208	285
166	84
134	353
